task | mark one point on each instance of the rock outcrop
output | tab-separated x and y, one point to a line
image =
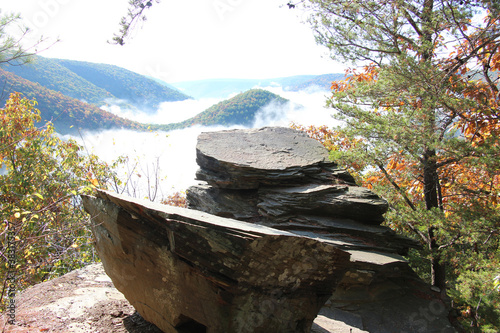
274	231
281	178
185	270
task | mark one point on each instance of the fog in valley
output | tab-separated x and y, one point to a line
162	163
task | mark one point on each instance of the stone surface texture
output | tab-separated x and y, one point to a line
275	236
184	269
273	155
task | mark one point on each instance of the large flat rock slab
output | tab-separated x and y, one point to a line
244	159
245	277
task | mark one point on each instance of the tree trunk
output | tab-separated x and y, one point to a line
430	179
431	197
438	269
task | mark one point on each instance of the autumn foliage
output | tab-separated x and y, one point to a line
42	222
177	199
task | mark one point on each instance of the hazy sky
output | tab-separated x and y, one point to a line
183	40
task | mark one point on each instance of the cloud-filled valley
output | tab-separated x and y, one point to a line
167	113
174	153
116	112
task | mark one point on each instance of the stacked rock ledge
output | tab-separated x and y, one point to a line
281	178
275	233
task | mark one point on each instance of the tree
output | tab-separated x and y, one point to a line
11	48
424	111
43	226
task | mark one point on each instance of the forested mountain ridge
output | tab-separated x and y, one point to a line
238	110
97	84
70	114
52	75
137	89
66	113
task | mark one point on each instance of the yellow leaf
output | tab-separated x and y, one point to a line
392	165
17	215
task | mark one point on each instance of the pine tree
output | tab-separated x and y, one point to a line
422	120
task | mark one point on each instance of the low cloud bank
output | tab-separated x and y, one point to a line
158	163
167	113
306	107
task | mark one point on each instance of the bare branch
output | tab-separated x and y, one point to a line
135	13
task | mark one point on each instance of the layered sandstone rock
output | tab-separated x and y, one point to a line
189	271
281	178
274	231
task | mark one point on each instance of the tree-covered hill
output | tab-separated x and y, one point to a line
97	83
52	75
137	89
239	110
67	114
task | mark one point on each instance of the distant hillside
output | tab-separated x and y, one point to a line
52	75
239	110
68	114
124	84
97	83
218	88
222	88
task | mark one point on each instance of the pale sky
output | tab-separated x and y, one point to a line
183	40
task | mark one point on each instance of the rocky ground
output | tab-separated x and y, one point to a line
271	177
85	300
